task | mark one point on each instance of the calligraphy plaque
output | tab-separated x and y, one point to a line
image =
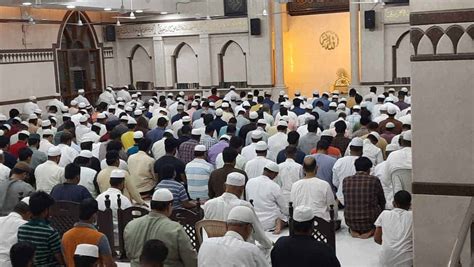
235	7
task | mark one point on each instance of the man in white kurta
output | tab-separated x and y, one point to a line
290	172
9	230
344	167
81	98
50	173
278	141
268	201
30	106
254	167
248	152
400	159
68	154
232	249
380	172
107	97
370	150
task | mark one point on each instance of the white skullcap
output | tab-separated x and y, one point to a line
235	179
303	214
375	134
285	96
390	125
407	135
38	111
85	154
341	106
250	93
26	200
391	147
343	99
119	99
197	94
45	123
128	108
391	110
224	136
404	89
137	112
138	135
357	141
194	104
212	104
333	104
253	115
47	132
282	123
272	166
54	151
196	132
261	146
151	101
101	116
186	119
53	119
219	112
287	105
80	91
124	118
3	117
32	117
117	174
162	195
25	133
241	214
131	121
383	107
261	121
246	104
25	123
83	119
232	87
7	126
381	96
315	93
335	96
32	98
121	104
364	104
297	93
356	107
73	102
2	133
181	93
335	92
200	148
82	105
309	106
225	105
134	95
257	134
326	133
139	93
391	89
87	250
17	119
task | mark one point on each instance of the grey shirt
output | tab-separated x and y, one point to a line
37	158
327	118
308	141
10	194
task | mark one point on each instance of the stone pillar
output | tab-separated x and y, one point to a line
278	34
204	61
159	59
354	13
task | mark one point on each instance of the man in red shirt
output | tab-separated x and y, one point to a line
22	142
213	97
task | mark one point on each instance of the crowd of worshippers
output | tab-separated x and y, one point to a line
171	151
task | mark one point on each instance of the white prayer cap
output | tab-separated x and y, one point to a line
7	126
139	93
197	95
407	135
82	105
246	104
38	111
241	214
134	95
169	131
117	173
137	112
391	90
101	116
45	123
253	115
138	135
194	104
121	104
232	87
119	99
151	101
250	93
32	117
261	146
108	88
309	106
285	96
343	100
235	179
80	91
25	123
131	121
73	102
326	133
363	104
181	93
128	108
315	93
282	123
391	147
384	107
196	132
219	112
47	132
335	96
303	214
25	132
225	105
124	118
357	141
87	250
257	134
404	89
162	195
32	98
85	154
26	200
375	134
17	119
2	133
212	104
200	148
356	107
186	119
335	92
53	119
83	119
272	166
54	151
3	117
224	136
390	125
391	110
341	106
381	96
262	121
333	105
287	105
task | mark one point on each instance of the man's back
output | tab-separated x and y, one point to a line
8	235
70	192
302	251
314	193
218	178
10	192
157	226
254	167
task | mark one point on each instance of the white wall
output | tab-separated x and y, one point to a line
187	66
234	61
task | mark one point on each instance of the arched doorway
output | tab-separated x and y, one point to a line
142	71
232	65
186	67
79	61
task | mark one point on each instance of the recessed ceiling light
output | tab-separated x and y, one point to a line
163	13
107	9
70	7
138	11
26	3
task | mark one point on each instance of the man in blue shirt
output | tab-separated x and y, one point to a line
157	133
70	190
325	163
293	139
268	100
180	197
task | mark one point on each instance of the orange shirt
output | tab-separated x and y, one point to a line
332	151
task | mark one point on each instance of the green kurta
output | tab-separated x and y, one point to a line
157	226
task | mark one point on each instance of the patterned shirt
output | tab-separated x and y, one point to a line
208	141
45	238
364	200
341	142
177	189
197	175
186	150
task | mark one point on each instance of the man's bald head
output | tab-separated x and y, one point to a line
309	164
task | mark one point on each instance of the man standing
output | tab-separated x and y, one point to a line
38	157
9	230
186	149
278	141
232	249
198	172
140	166
364	200
50	173
157	225
12	189
70	190
324	163
218	176
255	167
301	249
309	140
290	172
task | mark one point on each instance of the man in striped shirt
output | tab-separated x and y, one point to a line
197	174
39	233
168	181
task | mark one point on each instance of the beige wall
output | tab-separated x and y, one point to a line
308	66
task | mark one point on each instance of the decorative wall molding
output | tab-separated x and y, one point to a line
21	56
233	25
443	189
108	52
394	15
305	7
442	16
456	44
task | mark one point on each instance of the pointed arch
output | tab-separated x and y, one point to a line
136	48
185	66
395	56
237	71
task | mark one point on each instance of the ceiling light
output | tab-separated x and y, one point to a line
118	23
26	4
132	15
138	11
107	9
163	13
265	13
70	7
79	22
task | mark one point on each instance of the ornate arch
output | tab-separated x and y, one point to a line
132	56
175	55
220	60
394	54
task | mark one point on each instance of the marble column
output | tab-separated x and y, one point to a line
204	61
354	17
159	57
278	34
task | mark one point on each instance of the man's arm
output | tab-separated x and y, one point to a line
105	253
132	190
55	246
378	235
187	254
380	194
